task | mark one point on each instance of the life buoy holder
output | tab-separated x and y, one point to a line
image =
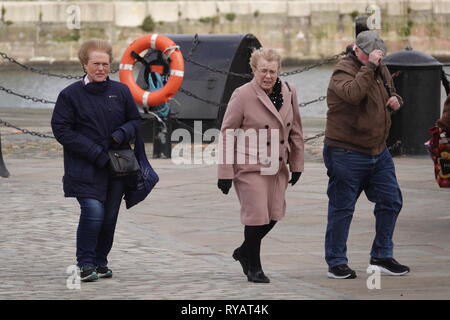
170	50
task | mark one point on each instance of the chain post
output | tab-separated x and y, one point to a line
3	171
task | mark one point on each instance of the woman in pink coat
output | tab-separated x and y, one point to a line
261	135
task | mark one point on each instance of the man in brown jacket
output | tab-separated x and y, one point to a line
360	98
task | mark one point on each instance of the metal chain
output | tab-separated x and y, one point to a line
190	94
27	97
314	137
304	104
42	72
26	131
195	43
10	59
245	76
42	135
318	64
186	92
188	59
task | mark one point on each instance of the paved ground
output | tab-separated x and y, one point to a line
177	244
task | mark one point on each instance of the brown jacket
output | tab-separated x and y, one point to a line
357	117
444	121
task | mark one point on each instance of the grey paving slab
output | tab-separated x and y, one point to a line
177	244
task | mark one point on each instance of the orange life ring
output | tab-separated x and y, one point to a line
169	49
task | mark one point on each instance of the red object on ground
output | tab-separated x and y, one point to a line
439	148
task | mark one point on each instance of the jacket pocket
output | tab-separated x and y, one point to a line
79	169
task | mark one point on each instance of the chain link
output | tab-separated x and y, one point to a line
42	72
186	92
314	137
195	43
42	135
304	104
318	64
27	97
192	95
26	131
10	59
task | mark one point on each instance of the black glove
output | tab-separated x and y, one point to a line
294	178
224	185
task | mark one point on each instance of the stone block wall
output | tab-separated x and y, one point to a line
301	30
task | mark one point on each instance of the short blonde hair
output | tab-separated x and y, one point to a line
94	45
265	53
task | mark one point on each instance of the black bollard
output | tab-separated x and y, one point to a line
360	25
418	82
3	171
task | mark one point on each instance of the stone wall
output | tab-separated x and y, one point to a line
302	30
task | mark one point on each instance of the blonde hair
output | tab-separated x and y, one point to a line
265	53
94	45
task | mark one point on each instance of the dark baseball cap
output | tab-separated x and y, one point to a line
368	41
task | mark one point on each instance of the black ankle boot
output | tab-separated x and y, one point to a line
238	255
257	276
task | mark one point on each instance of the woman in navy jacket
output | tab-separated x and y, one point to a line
91	116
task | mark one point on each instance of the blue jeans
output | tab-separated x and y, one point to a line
97	224
350	173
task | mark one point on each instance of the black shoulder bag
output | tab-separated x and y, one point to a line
123	162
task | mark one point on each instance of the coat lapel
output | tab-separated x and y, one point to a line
262	96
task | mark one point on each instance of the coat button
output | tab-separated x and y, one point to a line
288	124
280	158
268	143
282	141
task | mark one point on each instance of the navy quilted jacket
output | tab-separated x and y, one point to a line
84	120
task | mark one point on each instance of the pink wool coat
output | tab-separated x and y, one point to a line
279	143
